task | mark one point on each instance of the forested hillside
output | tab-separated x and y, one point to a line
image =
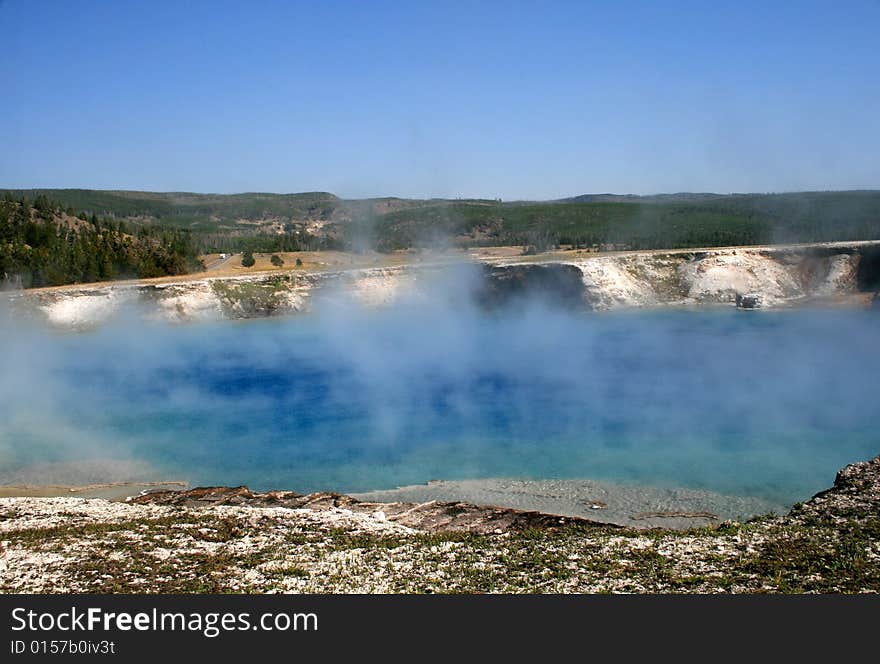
319	220
665	222
60	236
42	244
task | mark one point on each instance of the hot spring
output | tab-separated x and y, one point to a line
764	404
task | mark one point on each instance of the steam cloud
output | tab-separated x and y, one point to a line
350	398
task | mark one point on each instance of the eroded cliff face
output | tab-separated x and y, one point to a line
780	276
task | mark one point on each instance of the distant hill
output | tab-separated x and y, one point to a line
682	197
190	209
321	220
641	222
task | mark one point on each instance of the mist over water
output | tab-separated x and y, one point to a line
766	404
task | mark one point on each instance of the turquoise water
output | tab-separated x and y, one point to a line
766	404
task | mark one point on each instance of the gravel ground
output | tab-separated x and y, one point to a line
231	540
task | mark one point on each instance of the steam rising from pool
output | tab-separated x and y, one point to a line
766	404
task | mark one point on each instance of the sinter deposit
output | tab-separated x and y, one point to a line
770	276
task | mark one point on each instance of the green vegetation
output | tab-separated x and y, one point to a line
272	223
276	260
719	221
187	209
119	234
249	299
247	259
764	555
237	240
214	220
42	244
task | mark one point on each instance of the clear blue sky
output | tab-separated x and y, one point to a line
495	99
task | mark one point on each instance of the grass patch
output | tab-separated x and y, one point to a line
819	559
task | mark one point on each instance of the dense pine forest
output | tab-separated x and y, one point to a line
43	244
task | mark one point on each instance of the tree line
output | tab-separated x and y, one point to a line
265	243
43	244
731	221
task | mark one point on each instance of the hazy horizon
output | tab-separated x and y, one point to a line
515	199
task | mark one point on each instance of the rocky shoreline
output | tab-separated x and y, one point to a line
224	539
632	505
773	276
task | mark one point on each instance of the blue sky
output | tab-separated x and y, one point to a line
490	99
